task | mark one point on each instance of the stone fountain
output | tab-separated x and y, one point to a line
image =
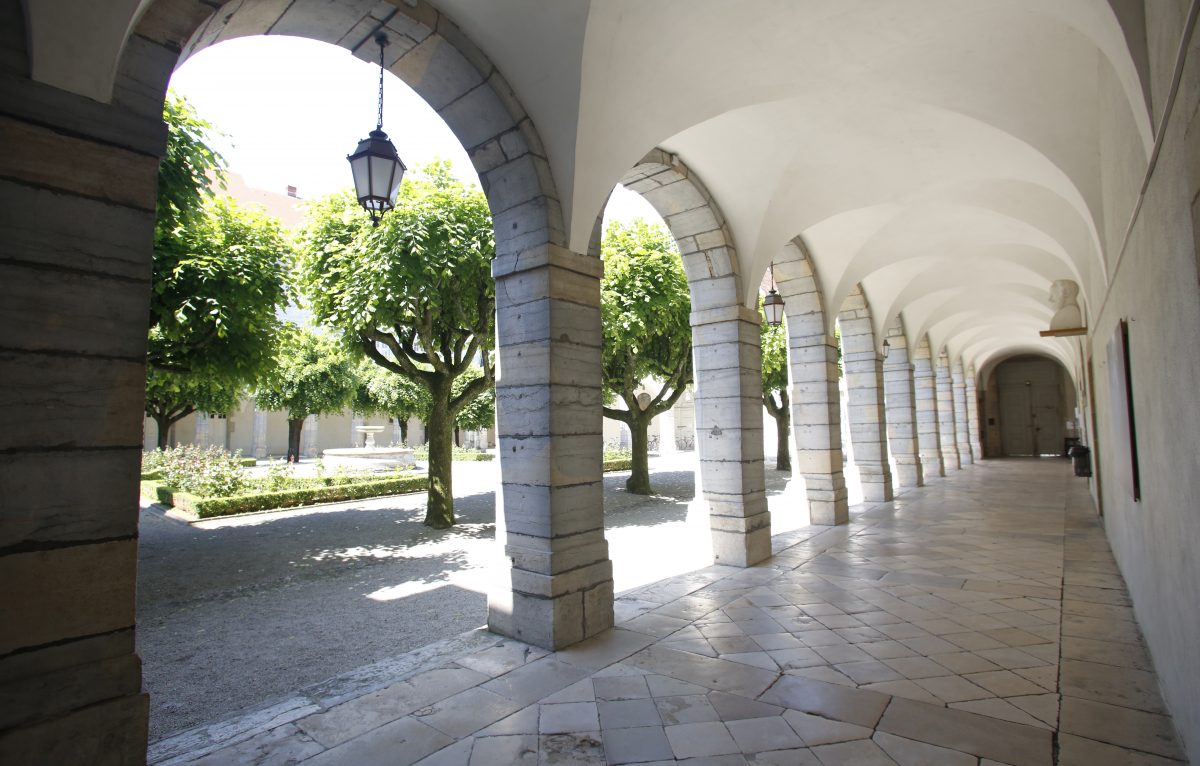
369	457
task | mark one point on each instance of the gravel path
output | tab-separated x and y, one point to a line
233	614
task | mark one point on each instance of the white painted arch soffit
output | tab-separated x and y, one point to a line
885	134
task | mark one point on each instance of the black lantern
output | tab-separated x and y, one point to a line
773	303
887	348
376	165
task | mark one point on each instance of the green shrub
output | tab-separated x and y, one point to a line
617	453
248	462
209	507
618	464
421	452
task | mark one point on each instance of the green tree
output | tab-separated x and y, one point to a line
645	304
172	396
415	295
383	392
480	412
312	375
218	280
775	387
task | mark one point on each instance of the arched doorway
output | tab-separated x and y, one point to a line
1030	404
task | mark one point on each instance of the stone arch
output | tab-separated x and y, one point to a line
863	368
726	355
812	365
547	297
427	51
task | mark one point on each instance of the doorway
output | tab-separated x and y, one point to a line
1032	407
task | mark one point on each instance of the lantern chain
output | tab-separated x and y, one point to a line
383	41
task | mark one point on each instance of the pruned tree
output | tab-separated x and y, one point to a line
775	387
312	375
381	391
645	305
172	396
415	295
219	277
480	412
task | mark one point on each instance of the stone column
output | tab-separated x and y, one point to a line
200	438
78	181
973	415
925	393
260	434
864	387
729	433
945	410
550	512
962	436
816	415
902	412
310	437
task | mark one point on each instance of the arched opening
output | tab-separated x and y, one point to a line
1029	408
646	302
342	586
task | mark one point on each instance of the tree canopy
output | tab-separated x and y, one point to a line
312	375
414	294
219	276
645	306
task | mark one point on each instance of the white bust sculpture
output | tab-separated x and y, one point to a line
1063	294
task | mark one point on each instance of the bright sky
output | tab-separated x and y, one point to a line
291	109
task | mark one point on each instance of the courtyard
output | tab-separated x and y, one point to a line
310	593
980	620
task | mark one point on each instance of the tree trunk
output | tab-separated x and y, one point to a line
295	427
783	450
439	513
638	482
403	430
163	422
457	437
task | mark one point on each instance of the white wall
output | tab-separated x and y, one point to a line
1156	287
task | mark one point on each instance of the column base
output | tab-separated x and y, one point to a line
552	622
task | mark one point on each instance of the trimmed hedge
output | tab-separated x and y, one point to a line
474	457
248	462
621	464
209	507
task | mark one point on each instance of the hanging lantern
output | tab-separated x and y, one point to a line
375	164
773	303
887	348
773	308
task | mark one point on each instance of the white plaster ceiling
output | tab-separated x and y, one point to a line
942	153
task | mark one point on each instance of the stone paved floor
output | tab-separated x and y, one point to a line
980	620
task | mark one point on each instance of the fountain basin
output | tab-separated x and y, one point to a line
369	458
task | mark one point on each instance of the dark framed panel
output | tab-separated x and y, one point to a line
1121	416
